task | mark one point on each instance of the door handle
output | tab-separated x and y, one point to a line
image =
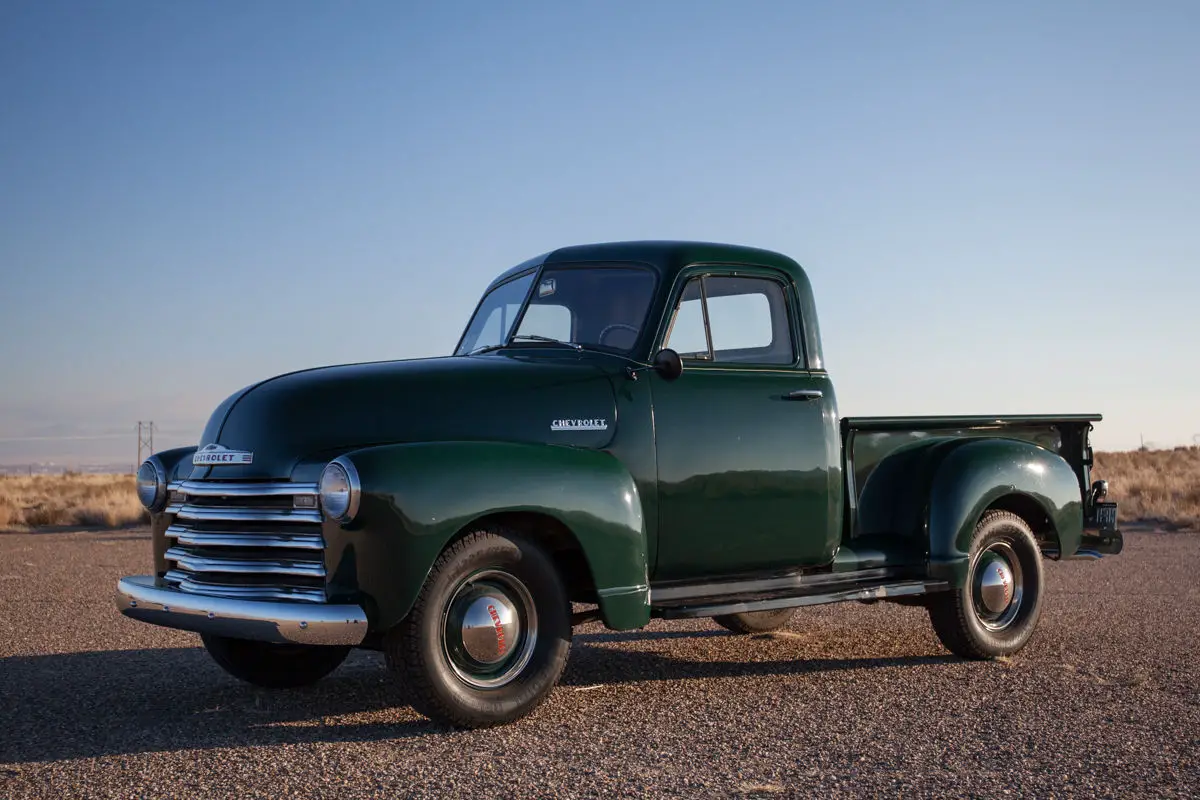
804	394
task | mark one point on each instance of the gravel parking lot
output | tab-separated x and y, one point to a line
851	700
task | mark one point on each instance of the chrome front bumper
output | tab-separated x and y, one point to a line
259	620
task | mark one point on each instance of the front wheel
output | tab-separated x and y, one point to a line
489	634
275	666
996	610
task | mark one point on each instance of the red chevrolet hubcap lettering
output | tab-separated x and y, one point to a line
500	645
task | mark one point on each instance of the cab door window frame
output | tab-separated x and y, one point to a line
788	290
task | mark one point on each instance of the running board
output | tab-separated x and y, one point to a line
878	591
760	588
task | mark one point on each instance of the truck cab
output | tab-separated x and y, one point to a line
747	444
624	431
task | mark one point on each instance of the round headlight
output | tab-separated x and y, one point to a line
339	490
152	484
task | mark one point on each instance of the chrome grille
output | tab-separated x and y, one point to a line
254	541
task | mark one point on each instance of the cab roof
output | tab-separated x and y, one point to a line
666	257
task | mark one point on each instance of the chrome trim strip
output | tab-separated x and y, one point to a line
217	489
282	623
296	541
218	514
183	581
195	563
618	591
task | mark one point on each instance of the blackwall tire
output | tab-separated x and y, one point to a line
997	609
489	634
274	666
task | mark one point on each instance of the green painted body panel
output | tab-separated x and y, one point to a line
508	397
927	490
975	475
746	480
417	497
177	462
713	474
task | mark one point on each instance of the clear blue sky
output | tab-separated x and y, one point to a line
998	203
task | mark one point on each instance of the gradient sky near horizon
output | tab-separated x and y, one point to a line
998	204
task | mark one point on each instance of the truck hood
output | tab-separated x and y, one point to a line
293	423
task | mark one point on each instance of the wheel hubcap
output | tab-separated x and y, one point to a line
490	626
489	629
997	586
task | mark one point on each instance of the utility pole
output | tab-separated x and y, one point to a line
145	440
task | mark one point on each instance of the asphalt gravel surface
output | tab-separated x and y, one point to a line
849	700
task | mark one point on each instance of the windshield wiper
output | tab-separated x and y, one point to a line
524	337
487	348
531	337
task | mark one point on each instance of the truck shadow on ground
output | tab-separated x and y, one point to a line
88	705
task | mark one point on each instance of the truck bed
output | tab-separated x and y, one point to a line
866	441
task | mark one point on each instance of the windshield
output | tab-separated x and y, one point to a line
600	307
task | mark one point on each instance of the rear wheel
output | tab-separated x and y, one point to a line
489	634
755	621
996	610
275	666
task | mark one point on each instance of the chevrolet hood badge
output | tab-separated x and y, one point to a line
215	455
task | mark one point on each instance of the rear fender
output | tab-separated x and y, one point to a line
981	473
417	497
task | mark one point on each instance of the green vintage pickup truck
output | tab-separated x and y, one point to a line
625	431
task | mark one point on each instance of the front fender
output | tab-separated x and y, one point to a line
980	472
177	462
416	497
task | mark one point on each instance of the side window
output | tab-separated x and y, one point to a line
747	321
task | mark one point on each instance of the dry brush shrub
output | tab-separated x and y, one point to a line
70	499
1158	485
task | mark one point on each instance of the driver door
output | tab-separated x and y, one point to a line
742	436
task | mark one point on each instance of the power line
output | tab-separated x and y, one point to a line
145	440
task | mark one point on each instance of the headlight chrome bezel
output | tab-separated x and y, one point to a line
353	494
158	501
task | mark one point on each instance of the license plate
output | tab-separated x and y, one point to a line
1106	516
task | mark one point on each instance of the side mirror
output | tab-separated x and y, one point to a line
668	364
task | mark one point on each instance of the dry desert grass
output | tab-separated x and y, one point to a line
72	499
1162	486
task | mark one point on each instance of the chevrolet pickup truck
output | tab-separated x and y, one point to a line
626	431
